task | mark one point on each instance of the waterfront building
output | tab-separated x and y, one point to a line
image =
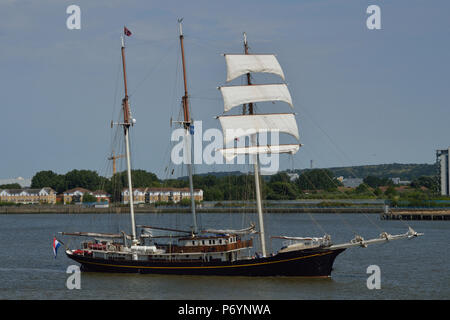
443	161
102	196
28	195
138	195
75	195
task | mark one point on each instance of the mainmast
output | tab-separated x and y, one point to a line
126	127
256	168
187	126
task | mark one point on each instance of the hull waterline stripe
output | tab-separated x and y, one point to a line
207	267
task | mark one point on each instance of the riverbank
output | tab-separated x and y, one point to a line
384	212
75	209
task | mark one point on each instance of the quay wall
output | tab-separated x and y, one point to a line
386	213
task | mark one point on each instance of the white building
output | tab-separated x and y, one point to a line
443	160
28	195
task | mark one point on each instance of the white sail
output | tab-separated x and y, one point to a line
248	230
230	153
245	125
237	95
239	64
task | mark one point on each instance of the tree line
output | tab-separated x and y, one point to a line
280	186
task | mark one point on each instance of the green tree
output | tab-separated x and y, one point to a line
391	192
48	178
89	198
213	194
378	192
375	182
10	186
317	179
139	178
280	190
178	183
87	179
362	188
185	202
429	182
144	179
280	177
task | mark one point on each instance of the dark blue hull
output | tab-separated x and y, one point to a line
306	263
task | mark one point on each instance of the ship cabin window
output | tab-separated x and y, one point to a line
203	242
220	241
193	243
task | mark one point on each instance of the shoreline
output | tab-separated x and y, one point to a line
392	213
187	210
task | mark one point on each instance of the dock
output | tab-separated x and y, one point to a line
416	214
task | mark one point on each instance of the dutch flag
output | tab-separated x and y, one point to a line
56	245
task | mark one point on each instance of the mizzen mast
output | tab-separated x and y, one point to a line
252	124
256	168
187	126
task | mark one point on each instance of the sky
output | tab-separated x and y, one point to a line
361	96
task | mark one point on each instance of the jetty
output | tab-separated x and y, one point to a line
416	214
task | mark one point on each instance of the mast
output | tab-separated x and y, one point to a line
256	169
187	126
126	127
236	126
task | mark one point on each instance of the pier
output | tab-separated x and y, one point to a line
416	214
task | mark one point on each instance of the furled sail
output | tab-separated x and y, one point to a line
230	153
239	64
235	127
248	230
237	95
96	234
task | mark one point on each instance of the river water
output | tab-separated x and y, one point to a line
409	269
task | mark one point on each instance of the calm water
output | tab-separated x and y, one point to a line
410	269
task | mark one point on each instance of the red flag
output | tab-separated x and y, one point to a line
126	31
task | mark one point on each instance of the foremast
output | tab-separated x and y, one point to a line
127	122
187	127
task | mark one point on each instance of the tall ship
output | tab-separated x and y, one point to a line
225	252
